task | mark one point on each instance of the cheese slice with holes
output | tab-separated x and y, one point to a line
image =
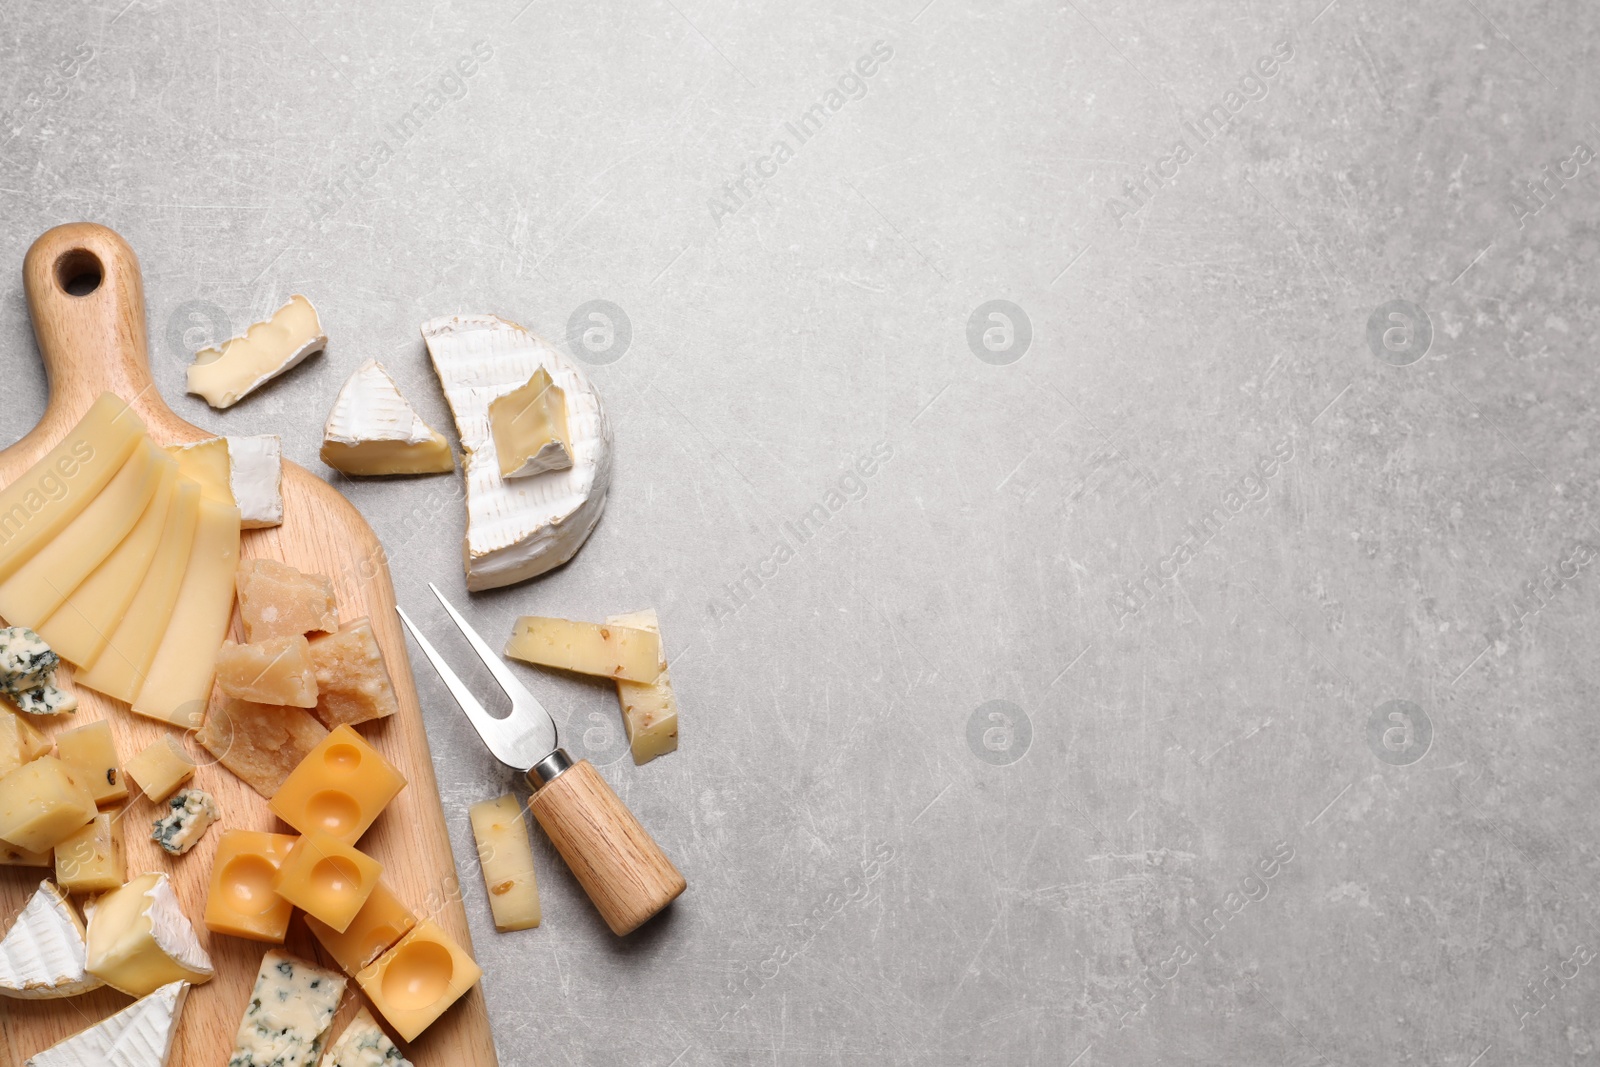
373	429
45	955
140	1035
520	527
226	375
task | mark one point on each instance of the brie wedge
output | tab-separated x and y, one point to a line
139	938
140	1035
226	375
525	526
373	429
44	955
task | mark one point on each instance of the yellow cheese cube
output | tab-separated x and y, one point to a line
43	802
91	860
91	751
382	921
507	861
20	742
12	856
649	709
275	600
587	647
260	743
160	768
327	879
241	900
338	789
276	670
352	682
413	983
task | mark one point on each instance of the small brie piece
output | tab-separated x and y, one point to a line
373	429
226	375
139	938
530	428
44	955
364	1044
521	527
140	1035
255	473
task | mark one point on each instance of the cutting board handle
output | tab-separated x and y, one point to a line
86	296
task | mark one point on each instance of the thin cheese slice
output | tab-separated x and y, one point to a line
80	627
54	491
120	668
207	463
39	586
226	375
179	682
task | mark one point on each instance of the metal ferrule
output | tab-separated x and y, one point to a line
548	769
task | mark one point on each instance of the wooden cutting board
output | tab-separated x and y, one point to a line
95	343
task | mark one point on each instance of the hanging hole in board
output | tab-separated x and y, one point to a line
78	272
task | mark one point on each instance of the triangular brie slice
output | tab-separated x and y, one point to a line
373	429
140	1035
44	954
139	938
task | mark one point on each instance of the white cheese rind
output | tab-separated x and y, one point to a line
139	939
232	371
290	1010
140	1035
255	473
44	955
523	527
373	429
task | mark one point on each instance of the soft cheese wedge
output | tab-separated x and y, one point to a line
139	938
290	1010
530	428
140	1035
226	375
520	527
363	1044
44	955
373	429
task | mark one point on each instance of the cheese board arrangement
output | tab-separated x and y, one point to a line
221	840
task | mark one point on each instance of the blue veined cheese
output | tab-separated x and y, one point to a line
44	699
189	812
289	1013
364	1044
25	660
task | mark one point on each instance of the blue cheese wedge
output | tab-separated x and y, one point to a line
140	1035
25	660
44	699
45	953
189	812
364	1044
289	1013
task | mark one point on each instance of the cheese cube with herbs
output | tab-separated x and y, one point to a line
185	819
25	660
649	709
586	647
352	682
290	1010
92	860
160	768
91	751
42	803
277	670
507	861
275	600
261	743
12	856
20	742
364	1044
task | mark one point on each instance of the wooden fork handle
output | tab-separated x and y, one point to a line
615	859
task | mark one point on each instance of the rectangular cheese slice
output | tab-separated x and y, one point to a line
179	681
82	625
649	709
506	856
586	647
37	587
54	491
226	375
122	663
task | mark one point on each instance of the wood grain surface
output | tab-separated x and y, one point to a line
95	343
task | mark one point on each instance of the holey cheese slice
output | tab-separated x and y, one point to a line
520	527
372	429
43	955
140	1035
226	375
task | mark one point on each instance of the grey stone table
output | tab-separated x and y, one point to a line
1118	481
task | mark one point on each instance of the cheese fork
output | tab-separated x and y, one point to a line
614	858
